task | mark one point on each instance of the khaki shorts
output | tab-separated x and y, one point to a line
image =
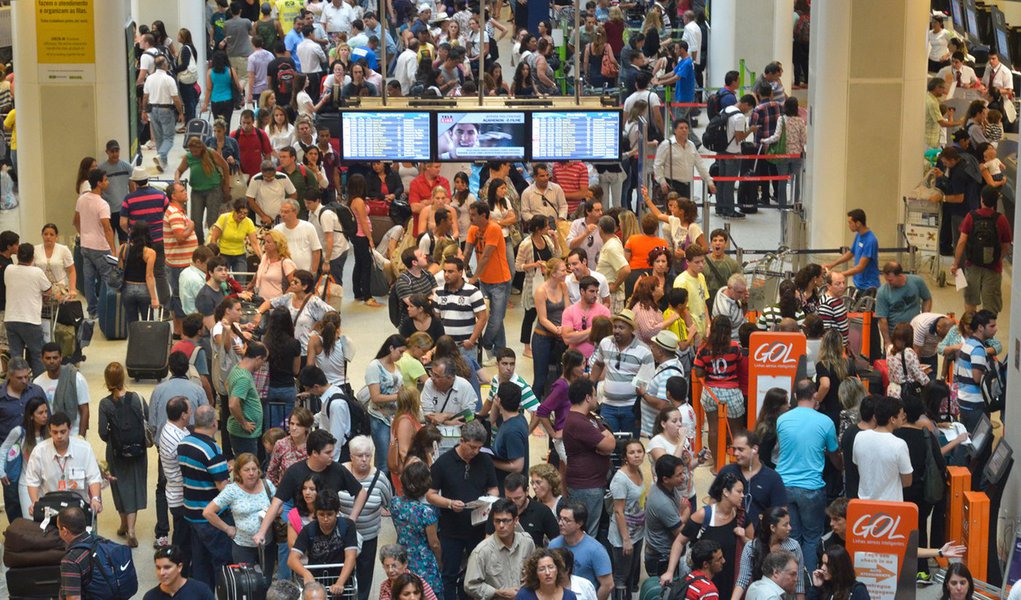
984	288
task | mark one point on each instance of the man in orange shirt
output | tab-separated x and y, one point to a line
420	190
492	274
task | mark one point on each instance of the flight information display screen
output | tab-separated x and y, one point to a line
576	135
478	135
397	136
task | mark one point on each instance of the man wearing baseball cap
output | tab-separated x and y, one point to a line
664	352
117	172
616	361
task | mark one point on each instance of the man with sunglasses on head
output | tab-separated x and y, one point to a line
578	265
584	233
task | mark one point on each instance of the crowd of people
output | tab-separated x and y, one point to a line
270	450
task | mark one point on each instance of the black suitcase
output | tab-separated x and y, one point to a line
58	501
240	582
197	127
34	582
149	348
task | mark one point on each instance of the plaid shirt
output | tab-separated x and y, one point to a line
766	115
72	566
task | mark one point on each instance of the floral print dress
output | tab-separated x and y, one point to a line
411	518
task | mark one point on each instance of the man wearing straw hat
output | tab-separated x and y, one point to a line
654	399
616	361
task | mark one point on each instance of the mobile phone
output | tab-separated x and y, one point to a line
703	454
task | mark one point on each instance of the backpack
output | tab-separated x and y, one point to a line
983	246
192	350
803	29
163	51
678	590
348	224
715	136
934	484
127	427
994	385
714	105
360	424
111	574
285	79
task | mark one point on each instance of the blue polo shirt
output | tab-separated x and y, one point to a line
684	89
202	467
591	560
805	436
291	41
866	246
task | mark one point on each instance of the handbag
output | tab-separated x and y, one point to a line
238	185
70	313
115	276
14	460
150	432
332	293
608	68
378	285
190	74
780	145
279	526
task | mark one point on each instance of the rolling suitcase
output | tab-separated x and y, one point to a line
197	127
240	582
149	347
111	314
53	502
34	582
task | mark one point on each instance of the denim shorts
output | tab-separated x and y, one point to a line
732	397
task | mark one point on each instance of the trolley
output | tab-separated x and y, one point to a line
326	575
764	277
922	221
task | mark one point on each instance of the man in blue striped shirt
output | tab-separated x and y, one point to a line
205	473
971	367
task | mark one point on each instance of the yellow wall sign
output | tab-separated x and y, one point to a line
65	32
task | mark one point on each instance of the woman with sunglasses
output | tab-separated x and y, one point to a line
173	584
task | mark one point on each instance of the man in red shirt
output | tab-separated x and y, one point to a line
253	144
492	274
420	192
573	178
707	560
985	240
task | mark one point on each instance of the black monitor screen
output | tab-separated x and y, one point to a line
1001	45
999	461
969	11
958	17
390	135
981	436
462	136
576	135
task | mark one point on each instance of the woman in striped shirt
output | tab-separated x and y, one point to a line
716	364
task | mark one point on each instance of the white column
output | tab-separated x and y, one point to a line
59	123
1012	348
866	121
192	16
757	31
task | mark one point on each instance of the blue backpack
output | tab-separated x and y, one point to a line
111	574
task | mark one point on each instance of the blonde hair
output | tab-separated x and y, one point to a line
550	474
616	14
281	243
551	265
206	157
273	127
628	224
653	19
420	339
408	402
239	463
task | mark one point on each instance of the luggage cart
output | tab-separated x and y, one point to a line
922	220
326	575
764	277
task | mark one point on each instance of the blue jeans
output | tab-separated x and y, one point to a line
792	167
243	444
182	536
495	335
244	554
163	120
592	498
210	551
189	98
808	520
381	440
26	337
137	302
279	406
337	267
971	413
725	189
237	264
12	502
453	552
542	356
174	278
96	269
620	419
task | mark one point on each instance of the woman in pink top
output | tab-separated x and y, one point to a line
363	243
275	268
645	304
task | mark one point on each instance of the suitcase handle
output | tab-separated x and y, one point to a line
155	314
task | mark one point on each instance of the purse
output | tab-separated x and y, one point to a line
14	460
378	284
779	146
608	68
238	186
279	526
332	293
115	276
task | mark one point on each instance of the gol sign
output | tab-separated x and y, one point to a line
773	362
882	538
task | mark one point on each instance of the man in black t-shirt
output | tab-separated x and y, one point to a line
328	539
459	476
763	485
534	517
280	50
335	477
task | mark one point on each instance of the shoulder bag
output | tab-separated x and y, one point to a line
779	146
279	525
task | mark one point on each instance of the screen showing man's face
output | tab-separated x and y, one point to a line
465	135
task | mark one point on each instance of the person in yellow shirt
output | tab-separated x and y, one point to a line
682	325
693	281
286	11
11	125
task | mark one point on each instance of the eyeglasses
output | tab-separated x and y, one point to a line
467	469
565	520
502	521
584	322
619	356
591	240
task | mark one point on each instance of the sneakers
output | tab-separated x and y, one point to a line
923	578
732	215
159	164
161	542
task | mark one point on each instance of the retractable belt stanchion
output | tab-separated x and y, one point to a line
976	532
959	483
696	393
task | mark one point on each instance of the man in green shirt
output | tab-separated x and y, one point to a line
718	265
245	422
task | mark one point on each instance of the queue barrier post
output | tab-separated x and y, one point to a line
696	395
976	531
722	430
958	483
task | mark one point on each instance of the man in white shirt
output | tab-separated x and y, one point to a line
729	302
406	69
335	415
302	240
676	161
997	78
313	61
267	191
176	429
446	396
959	73
25	284
336	17
331	235
737	131
74	393
159	100
63	462
577	264
584	233
693	35
884	465
779	578
654	112
543	197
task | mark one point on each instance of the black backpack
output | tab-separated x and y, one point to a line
715	136
714	105
285	79
360	424
678	590
348	224
126	427
983	246
994	385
